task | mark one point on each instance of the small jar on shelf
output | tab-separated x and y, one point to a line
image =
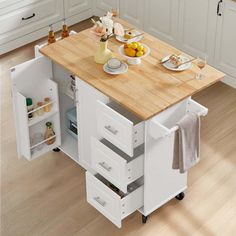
47	102
30	108
40	110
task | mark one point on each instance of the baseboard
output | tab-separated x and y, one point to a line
229	81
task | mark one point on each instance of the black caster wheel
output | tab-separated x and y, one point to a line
144	219
56	150
180	196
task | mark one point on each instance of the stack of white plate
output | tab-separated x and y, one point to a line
115	67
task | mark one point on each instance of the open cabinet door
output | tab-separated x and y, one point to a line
33	79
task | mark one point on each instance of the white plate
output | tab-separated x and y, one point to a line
123	69
171	66
124	40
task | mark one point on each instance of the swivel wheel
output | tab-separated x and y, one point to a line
180	196
144	219
56	150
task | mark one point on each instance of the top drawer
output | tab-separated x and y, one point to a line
23	20
119	126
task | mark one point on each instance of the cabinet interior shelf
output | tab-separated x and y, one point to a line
38	118
44	141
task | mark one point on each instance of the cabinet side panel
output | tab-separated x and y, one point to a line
86	115
161	182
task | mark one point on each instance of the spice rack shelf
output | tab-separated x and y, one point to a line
46	115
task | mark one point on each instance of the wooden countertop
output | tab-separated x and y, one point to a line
146	89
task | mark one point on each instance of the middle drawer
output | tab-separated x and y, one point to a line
115	165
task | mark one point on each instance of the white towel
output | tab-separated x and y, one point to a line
187	143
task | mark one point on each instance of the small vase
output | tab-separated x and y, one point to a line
103	54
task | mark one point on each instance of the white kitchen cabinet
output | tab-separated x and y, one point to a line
225	49
133	12
128	161
73	7
22	23
103	6
197	26
161	19
77	10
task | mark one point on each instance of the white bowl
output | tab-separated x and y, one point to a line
134	60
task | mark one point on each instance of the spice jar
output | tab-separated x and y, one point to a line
49	133
48	107
40	111
30	107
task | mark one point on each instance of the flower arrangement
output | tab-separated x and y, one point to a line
105	28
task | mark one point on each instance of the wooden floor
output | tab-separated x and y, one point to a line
47	196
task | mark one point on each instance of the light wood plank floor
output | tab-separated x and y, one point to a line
47	196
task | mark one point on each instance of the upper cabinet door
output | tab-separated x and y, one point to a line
225	58
103	6
161	19
197	25
73	7
132	11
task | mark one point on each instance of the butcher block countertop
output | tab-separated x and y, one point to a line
146	89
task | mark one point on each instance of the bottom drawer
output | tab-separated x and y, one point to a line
111	203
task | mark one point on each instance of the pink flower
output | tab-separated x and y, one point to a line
118	29
99	30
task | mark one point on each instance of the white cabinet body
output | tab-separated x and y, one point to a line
161	19
197	27
132	12
225	49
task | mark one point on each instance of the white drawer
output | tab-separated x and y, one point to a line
115	165
29	18
119	126
111	204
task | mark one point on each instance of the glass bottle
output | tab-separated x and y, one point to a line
49	133
65	30
51	35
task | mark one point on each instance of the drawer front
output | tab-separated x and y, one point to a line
109	203
114	167
27	19
103	199
115	128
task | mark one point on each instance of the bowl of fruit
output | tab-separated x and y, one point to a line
134	52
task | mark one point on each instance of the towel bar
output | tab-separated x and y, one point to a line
158	127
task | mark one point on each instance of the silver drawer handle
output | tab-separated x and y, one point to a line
99	201
110	129
104	166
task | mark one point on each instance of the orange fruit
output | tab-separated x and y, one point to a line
130	52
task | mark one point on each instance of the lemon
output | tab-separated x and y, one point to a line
140	48
139	54
134	45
